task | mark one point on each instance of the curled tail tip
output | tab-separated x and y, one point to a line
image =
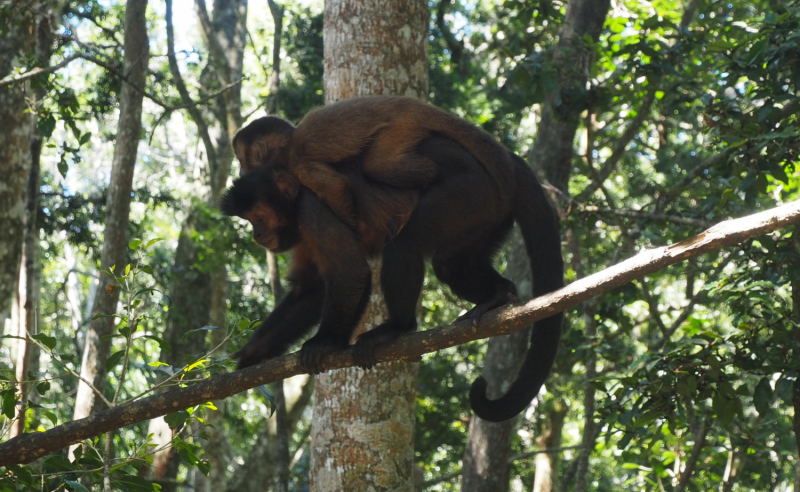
486	409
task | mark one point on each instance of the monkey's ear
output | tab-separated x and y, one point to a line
287	183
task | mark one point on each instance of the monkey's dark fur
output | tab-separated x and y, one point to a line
460	216
379	133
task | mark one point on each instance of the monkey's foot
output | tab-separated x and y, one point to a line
364	349
500	299
315	349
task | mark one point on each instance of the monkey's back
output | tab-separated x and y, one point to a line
385	128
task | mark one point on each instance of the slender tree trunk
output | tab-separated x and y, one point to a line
16	128
546	475
129	129
552	150
199	294
588	435
488	446
29	287
363	423
257	471
796	336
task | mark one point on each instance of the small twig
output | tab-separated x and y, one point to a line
655	315
96	391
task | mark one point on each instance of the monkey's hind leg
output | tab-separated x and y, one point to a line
402	273
475	280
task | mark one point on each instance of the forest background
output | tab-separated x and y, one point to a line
663	119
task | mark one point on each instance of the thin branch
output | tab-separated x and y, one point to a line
694	456
641	214
114	70
655	314
96	391
39	71
622	143
28	447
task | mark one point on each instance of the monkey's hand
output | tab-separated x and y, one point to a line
317	347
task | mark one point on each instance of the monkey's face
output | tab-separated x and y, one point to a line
269	227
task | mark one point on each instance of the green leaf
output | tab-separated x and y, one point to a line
76	486
51	417
63	167
9	404
177	419
22	474
47	341
43	387
135	243
162	344
135	483
112	361
195	364
153	241
46	125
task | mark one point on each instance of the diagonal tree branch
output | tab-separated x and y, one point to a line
28	447
39	71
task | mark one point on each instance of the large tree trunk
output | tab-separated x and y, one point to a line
363	423
129	129
16	128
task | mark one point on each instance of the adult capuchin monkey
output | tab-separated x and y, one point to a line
379	133
462	209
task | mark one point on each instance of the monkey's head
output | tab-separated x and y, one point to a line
266	198
261	142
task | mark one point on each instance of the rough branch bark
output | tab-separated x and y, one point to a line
28	447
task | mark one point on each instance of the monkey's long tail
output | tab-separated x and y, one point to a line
539	226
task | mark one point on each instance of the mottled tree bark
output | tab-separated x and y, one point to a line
30	278
30	282
16	128
363	423
129	129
